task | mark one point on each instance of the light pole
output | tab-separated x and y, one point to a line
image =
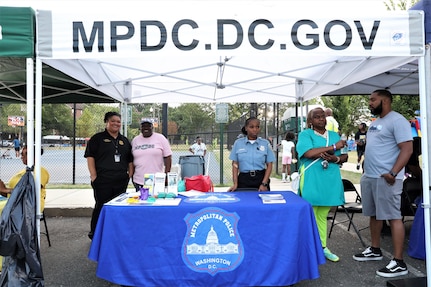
268	118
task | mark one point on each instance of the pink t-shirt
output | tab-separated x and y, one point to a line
148	154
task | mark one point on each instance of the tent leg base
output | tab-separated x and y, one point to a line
408	282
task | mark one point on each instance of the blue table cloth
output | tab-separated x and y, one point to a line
235	241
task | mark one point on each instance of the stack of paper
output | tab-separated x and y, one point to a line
272	198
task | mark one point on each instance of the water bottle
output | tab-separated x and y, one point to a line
344	149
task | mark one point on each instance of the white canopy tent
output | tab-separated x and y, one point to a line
225	51
211	53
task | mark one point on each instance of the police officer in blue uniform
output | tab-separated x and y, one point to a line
252	159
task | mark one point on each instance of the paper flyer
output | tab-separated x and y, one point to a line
159	183
173	183
149	182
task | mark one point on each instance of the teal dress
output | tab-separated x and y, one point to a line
320	187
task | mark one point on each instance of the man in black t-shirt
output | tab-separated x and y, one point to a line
360	140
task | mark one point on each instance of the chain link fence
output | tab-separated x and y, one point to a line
67	165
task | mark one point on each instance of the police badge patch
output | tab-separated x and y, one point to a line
212	243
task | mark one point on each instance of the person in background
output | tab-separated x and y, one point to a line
331	122
151	153
17	146
321	185
360	140
13	181
110	162
252	159
198	148
389	147
288	155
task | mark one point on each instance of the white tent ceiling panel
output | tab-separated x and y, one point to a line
231	81
402	80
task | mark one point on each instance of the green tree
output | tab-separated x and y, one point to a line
91	120
406	105
401	5
57	119
349	111
193	118
11	110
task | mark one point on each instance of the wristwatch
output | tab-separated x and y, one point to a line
393	173
264	184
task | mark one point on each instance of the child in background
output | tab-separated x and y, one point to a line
287	156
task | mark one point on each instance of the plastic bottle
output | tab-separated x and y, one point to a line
344	149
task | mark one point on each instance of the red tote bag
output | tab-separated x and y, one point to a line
199	183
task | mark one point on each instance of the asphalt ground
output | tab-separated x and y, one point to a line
65	263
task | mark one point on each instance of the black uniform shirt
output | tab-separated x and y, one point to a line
103	148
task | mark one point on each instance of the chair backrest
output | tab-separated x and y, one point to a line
412	188
350	187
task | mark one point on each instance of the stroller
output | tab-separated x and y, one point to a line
6	154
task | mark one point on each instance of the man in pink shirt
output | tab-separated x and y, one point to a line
151	153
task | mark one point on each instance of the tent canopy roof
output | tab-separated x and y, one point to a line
270	51
57	86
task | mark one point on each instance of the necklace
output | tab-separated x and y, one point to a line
324	135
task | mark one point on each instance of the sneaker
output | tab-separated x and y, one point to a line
368	255
283	180
288	179
358	166
393	269
329	255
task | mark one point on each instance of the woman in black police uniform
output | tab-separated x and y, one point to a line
110	162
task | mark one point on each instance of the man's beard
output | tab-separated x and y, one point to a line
377	110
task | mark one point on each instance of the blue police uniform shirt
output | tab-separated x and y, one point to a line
251	156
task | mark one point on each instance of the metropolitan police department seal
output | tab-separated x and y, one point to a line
212	243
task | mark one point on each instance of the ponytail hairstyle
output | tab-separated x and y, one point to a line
247	121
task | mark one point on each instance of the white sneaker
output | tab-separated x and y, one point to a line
288	179
283	180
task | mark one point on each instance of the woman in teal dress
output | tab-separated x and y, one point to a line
321	184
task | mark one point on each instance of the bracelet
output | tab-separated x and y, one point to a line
338	160
335	147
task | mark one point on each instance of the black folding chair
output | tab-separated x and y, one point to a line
43	218
349	208
412	188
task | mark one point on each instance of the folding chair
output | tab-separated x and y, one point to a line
412	188
43	218
349	208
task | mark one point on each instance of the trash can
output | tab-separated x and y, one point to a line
191	165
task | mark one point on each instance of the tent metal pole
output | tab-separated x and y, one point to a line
300	97
127	89
38	142
425	107
30	110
